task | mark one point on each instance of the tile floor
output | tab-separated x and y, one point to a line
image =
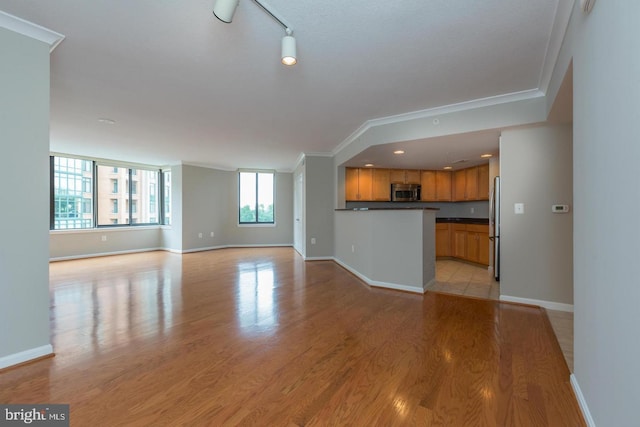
459	278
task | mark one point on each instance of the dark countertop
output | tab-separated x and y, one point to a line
389	209
482	221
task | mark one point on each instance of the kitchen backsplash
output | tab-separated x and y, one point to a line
447	209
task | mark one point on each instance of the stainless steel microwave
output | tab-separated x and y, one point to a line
405	192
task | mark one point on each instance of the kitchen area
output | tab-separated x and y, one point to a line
463	238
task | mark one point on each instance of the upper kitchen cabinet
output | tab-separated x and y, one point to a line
358	184
436	186
483	182
405	176
471	183
381	185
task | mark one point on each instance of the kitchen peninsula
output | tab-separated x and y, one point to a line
388	247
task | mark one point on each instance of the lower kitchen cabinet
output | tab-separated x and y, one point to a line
443	240
469	242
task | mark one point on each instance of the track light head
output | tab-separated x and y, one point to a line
224	10
289	50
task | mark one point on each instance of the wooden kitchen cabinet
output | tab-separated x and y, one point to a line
469	242
471	184
459	241
405	176
381	181
459	185
358	184
436	186
443	240
483	182
477	243
428	190
443	186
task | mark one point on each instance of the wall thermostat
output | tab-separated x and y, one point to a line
559	208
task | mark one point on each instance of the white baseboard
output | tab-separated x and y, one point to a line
101	254
319	258
581	401
551	305
377	284
189	251
25	356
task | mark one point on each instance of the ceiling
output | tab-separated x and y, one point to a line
182	86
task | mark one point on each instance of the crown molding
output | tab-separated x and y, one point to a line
29	29
556	39
437	111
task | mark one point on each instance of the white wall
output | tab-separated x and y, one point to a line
606	78
24	245
536	247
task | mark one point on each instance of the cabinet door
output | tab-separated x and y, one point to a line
443	240
381	185
459	185
412	176
483	182
397	176
483	248
351	184
365	184
428	183
443	186
472	246
459	249
471	183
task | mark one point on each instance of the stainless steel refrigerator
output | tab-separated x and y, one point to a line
494	221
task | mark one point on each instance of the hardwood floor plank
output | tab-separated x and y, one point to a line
260	337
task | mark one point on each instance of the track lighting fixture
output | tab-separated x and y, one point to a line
225	9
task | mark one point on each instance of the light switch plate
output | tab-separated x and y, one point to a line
518	208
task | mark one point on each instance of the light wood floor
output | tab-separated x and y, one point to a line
259	337
460	278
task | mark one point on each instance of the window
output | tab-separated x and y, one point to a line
135	188
166	197
71	205
86	194
256	198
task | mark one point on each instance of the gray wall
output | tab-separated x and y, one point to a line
319	190
399	257
24	246
206	196
536	247
281	234
79	244
606	78
204	200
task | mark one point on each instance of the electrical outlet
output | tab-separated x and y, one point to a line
473	210
518	208
200	235
353	248
104	238
212	234
313	240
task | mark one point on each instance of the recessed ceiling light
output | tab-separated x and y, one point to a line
107	121
369	165
485	156
398	152
447	168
